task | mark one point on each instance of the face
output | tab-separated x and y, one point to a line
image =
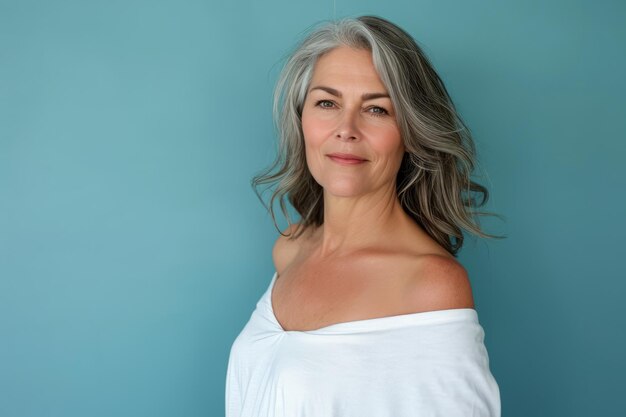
347	110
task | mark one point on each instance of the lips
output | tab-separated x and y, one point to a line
347	157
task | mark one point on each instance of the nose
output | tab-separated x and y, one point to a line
347	129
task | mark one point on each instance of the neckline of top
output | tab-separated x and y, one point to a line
377	323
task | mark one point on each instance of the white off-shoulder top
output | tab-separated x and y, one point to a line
425	364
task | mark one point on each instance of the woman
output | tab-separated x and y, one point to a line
369	313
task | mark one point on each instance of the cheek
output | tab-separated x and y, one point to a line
312	158
314	137
390	142
311	138
314	130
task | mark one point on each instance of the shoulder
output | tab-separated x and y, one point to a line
439	282
285	248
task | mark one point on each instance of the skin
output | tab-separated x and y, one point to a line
368	251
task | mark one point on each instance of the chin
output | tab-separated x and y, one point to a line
343	190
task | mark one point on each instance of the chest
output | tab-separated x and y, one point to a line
310	300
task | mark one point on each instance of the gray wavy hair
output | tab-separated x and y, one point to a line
440	152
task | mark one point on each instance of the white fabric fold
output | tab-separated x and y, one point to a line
426	364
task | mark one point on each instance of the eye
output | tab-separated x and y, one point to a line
322	104
379	111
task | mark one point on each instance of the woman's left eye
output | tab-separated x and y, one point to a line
379	111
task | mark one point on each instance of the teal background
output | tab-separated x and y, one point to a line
133	250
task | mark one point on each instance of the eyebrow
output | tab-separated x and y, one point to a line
366	96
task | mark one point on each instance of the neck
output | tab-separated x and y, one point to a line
353	223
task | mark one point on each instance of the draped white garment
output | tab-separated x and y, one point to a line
425	364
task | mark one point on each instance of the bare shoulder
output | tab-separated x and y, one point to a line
440	283
285	248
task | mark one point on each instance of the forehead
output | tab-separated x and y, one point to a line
347	65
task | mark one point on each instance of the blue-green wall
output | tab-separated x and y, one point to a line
133	250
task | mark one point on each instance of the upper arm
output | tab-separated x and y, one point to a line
441	283
284	249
